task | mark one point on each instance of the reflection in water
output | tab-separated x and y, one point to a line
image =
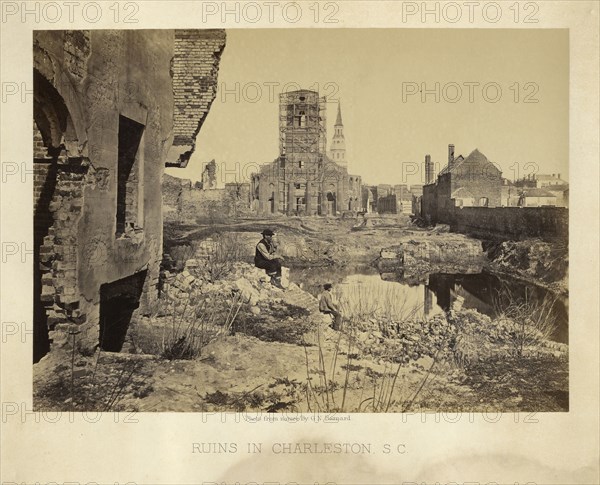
490	294
366	290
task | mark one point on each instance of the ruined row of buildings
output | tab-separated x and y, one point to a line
306	178
474	181
471	196
112	108
185	202
390	199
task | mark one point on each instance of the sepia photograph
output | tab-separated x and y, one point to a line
301	220
299	243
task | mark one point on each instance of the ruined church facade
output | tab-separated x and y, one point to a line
306	179
112	108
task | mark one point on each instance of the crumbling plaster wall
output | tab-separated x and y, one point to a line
116	73
100	75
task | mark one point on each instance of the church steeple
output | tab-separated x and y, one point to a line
338	143
338	121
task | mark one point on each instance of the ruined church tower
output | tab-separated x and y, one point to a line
338	143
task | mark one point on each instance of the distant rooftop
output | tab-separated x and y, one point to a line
538	193
474	158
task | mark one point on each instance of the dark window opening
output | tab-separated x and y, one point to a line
130	136
300	119
300	164
118	301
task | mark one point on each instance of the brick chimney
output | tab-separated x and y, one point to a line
428	170
450	156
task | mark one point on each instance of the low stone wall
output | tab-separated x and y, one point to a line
511	222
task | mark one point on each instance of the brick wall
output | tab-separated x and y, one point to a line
195	67
480	181
429	203
512	222
388	204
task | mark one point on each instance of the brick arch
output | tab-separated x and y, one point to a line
56	153
53	117
62	97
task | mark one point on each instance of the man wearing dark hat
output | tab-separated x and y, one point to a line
266	257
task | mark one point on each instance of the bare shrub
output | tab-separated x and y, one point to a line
221	255
523	323
196	323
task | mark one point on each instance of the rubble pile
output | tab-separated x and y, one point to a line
403	341
250	283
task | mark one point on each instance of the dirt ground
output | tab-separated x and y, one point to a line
242	373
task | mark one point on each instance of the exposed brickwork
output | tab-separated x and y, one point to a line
58	254
39	148
195	67
44	182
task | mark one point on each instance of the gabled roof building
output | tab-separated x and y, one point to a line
473	181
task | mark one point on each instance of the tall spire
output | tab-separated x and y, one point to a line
338	121
338	143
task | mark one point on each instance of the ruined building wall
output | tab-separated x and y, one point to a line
194	67
480	181
101	89
104	109
303	180
388	204
512	222
183	202
443	193
429	203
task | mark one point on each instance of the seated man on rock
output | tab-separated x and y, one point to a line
268	258
328	306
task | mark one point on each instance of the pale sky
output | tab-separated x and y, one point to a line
373	73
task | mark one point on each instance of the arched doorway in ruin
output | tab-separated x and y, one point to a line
331	203
54	134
